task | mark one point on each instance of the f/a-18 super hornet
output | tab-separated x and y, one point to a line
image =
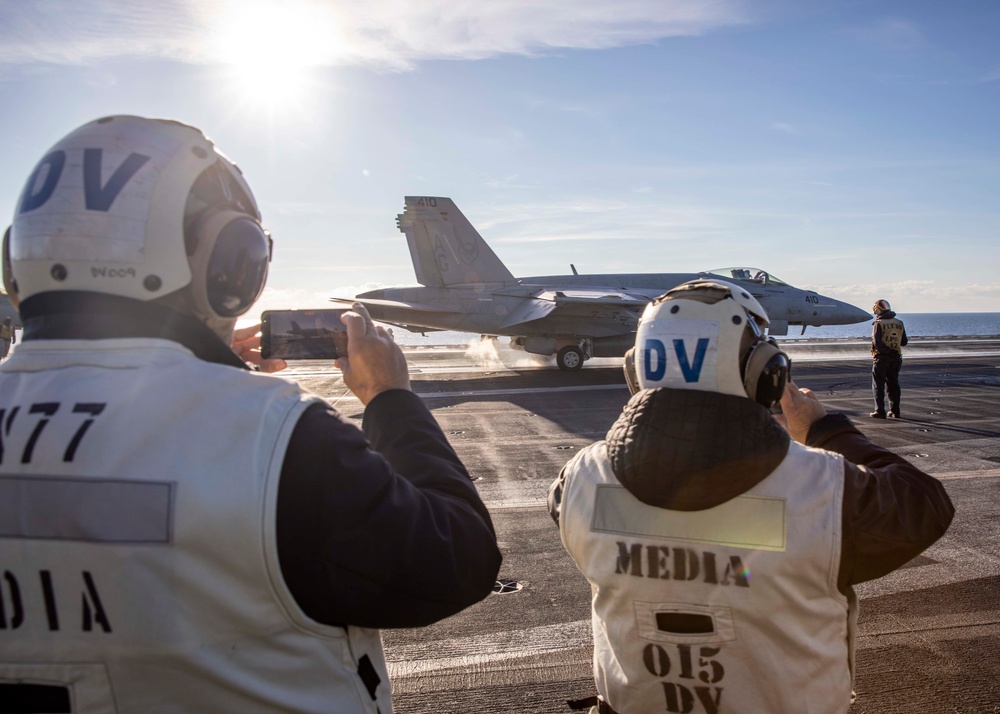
466	288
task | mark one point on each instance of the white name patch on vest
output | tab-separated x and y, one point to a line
743	522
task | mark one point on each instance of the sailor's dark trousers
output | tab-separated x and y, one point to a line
885	378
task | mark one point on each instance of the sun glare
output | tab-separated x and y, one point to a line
273	49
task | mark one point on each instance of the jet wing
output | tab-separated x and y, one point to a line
420	307
593	297
530	309
544	302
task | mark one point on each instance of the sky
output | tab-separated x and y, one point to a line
848	147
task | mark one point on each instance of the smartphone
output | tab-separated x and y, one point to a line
302	334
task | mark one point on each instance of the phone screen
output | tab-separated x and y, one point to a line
302	334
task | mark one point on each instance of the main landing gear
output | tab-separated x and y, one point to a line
569	358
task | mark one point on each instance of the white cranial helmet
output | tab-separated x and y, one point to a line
139	208
708	335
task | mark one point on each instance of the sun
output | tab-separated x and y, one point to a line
272	49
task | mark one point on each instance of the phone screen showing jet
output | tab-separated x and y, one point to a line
302	334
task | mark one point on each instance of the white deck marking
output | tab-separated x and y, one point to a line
493	648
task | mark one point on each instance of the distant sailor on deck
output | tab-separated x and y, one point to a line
888	340
7	337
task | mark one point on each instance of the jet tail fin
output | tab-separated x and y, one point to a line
446	250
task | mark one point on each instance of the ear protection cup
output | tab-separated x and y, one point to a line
766	373
229	263
628	366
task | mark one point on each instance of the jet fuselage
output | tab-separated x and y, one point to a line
466	288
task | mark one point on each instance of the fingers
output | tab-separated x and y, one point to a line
796	398
363	311
801	410
241	334
246	345
358	322
263	365
272	365
788	398
794	392
374	362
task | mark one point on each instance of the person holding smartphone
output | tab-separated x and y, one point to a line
722	543
188	534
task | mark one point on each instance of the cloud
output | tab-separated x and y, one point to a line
84	32
389	34
580	220
919	295
785	128
993	76
274	298
894	34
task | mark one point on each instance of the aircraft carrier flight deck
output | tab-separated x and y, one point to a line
929	633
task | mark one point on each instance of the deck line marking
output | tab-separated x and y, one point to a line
493	647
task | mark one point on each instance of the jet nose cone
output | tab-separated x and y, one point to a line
848	314
838	312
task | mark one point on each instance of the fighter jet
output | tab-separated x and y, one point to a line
466	288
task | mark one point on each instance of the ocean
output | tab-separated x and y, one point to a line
918	324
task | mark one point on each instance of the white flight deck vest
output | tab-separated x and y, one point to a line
138	562
730	609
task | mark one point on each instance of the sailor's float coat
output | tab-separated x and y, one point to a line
140	572
722	556
730	609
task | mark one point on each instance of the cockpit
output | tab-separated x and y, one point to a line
752	275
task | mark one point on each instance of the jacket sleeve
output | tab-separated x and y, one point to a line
892	510
555	494
383	532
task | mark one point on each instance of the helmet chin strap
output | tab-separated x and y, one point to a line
183	301
224	327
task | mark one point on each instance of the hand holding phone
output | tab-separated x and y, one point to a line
376	363
303	334
800	410
246	345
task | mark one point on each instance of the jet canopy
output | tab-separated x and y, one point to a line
750	275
